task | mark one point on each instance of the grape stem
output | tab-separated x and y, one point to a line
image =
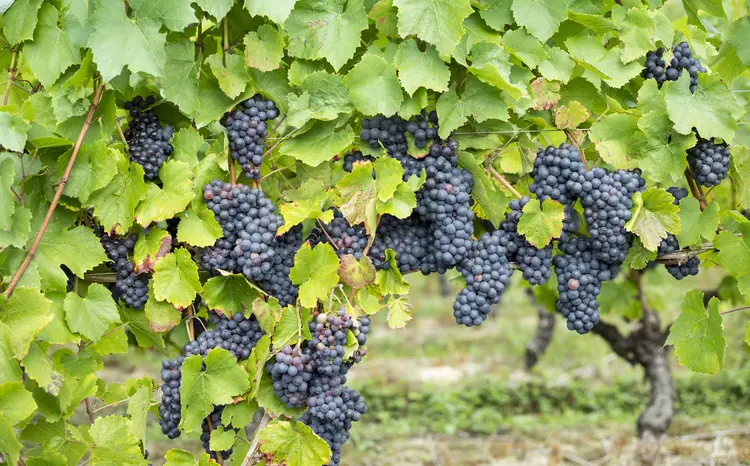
58	194
500	178
250	458
694	190
11	76
577	146
735	310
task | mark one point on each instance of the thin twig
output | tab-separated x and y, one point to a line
577	146
11	76
88	410
287	136
225	40
504	182
190	325
694	189
322	227
18	196
735	310
120	132
232	170
250	456
58	194
20	462
275	171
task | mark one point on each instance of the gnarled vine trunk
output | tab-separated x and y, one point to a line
545	330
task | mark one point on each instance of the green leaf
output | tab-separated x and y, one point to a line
421	69
323	97
23	316
221	380
734	252
138	408
385	17
713	109
277	11
613	135
541	18
221	439
594	22
7	198
39	368
16	403
497	13
319	144
9	444
79	249
491	63
229	294
486	192
479	100
697	335
174	14
95	167
390	280
359	192
268	313
288	328
559	66
330	30
315	271
180	81
399	313
540	223
712	7
187	144
733	57
198	228
13	131
140	327
695	224
439	22
93	315
606	62
570	116
373	76
57	332
233	78
636	34
293	444
546	93
150	248
115	33
53	50
113	342
20	21
161	316
264	49
216	8
739	171
526	48
176	279
163	203
114	443
638	256
357	274
654	216
115	204
299	210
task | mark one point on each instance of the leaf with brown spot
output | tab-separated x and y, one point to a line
357	274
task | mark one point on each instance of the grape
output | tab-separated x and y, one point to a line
579	279
385	132
535	263
206	429
277	283
487	272
682	59
412	241
147	141
655	66
558	174
129	287
424	129
678	193
345	238
709	162
353	157
291	372
678	271
170	407
247	130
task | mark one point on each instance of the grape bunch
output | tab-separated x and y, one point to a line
129	287
487	272
579	279
209	425
558	174
277	282
709	162
424	129
147	141
353	157
670	244
682	59
345	238
678	194
412	241
247	129
535	263
170	407
385	132
291	373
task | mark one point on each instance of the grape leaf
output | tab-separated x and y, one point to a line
138	324
739	171
216	8
357	274
277	11
9	444
590	51
221	439
373	76
540	223
390	280
264	49
174	14
315	271
7	198
358	191
497	13
546	93
323	97
163	203
479	100
16	403
385	17
697	335
162	316
217	384
638	256
326	30
399	313
13	131
268	313
289	327
23	316
180	76
695	224
713	109
439	22
115	33
114	442
734	252
525	47
115	204
712	7
612	135
229	294
570	116
299	210
636	34
38	367
541	18
53	50
198	228
232	78
319	143
92	315
10	371
177	457
113	342
733	57
293	444
57	330
150	248
559	66
187	144
20	21
654	216
420	69
176	279
486	192
95	166
79	249
401	204
138	408
491	63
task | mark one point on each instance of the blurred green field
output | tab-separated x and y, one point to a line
442	394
